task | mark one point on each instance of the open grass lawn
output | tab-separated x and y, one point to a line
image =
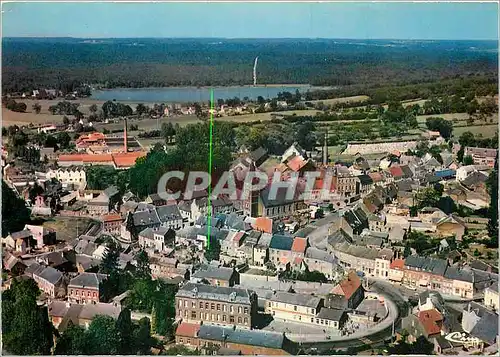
486	130
450	116
354	99
68	228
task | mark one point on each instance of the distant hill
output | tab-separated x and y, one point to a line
34	62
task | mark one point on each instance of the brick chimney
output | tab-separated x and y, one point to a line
125	147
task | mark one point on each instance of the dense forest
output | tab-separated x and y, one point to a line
33	63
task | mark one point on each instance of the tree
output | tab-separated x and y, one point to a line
125	329
142	337
109	264
492	185
143	271
468	160
93	108
104	336
37	108
213	250
26	329
15	214
141	109
73	341
444	127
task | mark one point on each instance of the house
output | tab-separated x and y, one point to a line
396	270
320	260
261	250
67	175
424	323
211	339
112	223
491	297
481	156
280	250
167	268
216	304
13	265
295	150
155	200
298	249
350	289
276	207
103	203
451	225
155	239
62	312
294	307
85	288
49	280
217	276
481	323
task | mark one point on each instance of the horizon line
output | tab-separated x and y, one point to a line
249	38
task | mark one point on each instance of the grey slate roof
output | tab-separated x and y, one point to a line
281	242
258	338
475	178
279	200
318	254
217	293
365	180
50	274
87	280
147	217
34	268
25	233
486	329
111	191
168	213
435	266
150	232
330	314
339	237
296	299
210	272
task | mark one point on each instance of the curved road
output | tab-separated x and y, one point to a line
375	339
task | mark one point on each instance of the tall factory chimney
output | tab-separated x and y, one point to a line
325	150
125	146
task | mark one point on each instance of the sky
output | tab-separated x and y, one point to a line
424	21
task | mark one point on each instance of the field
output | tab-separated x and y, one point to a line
486	130
354	99
450	116
68	228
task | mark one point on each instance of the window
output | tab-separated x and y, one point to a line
231	319
185	313
185	303
212	306
239	309
181	340
313	311
95	294
231	308
224	319
88	293
76	293
212	317
239	320
188	341
71	292
245	310
224	308
193	314
206	306
312	320
295	308
201	305
245	320
218	307
193	304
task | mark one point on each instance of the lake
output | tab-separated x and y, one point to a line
194	94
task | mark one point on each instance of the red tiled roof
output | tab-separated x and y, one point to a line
187	329
237	237
396	171
112	217
127	159
263	224
299	245
350	284
431	321
97	158
397	264
296	163
376	177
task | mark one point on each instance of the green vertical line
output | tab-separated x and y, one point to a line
210	167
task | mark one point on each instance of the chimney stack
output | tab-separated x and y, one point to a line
125	147
325	150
